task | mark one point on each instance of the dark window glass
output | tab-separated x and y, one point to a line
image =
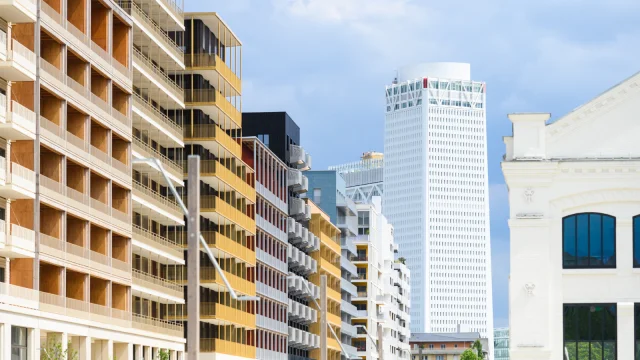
589	241
18	343
636	241
590	331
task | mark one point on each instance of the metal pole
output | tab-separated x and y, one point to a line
323	317
193	257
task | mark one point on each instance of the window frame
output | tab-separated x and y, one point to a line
615	249
602	341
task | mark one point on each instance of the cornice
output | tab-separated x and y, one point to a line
597	197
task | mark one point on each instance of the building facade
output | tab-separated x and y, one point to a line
436	194
445	346
281	136
213	130
575	231
85	251
328	189
501	343
364	178
271	249
382	285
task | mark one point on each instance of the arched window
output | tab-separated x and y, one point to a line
588	241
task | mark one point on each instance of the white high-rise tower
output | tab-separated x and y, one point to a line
436	194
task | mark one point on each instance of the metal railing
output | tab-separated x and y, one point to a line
155	280
173	165
161	75
157	325
163	200
134	9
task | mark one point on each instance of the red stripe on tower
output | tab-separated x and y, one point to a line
425	83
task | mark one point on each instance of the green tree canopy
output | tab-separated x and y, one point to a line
469	355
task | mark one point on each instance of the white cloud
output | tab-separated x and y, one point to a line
344	11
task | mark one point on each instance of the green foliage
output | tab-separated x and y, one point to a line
402	260
53	351
469	355
477	345
163	354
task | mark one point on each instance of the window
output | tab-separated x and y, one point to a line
264	138
317	196
637	326
439	357
590	331
589	241
430	346
18	343
636	241
442	346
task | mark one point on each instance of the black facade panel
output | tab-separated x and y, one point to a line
282	130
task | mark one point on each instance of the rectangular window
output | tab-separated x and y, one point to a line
590	331
18	343
317	196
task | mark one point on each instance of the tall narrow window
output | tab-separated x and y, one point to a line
317	196
18	343
636	241
589	241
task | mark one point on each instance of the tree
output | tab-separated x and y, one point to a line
469	355
402	260
477	346
163	354
53	351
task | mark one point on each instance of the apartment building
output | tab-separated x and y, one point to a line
281	135
383	290
272	248
327	190
73	269
213	129
501	343
574	201
445	346
363	179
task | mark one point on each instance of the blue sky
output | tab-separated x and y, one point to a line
326	63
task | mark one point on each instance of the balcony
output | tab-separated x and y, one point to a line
209	278
18	11
271	197
268	227
228	348
347	244
212	172
142	150
220	243
20	64
294	229
348	308
153	31
211	136
159	326
297	286
20	243
158	77
347	265
157	286
212	62
299	158
271	260
347	286
146	243
303	340
273	293
216	313
301	262
271	324
151	115
20	123
296	181
347	329
18	295
212	207
298	209
301	313
273	355
208	100
155	205
20	183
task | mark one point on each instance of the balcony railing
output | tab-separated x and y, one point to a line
23	116
153	238
159	74
213	97
171	46
212	203
157	197
170	164
157	115
213	61
147	323
227	347
157	283
22	54
212	131
217	169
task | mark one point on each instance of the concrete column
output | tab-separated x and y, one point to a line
5	338
85	348
109	349
147	353
138	351
323	317
626	330
193	266
33	341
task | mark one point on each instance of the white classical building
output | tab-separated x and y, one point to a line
382	283
436	195
574	194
